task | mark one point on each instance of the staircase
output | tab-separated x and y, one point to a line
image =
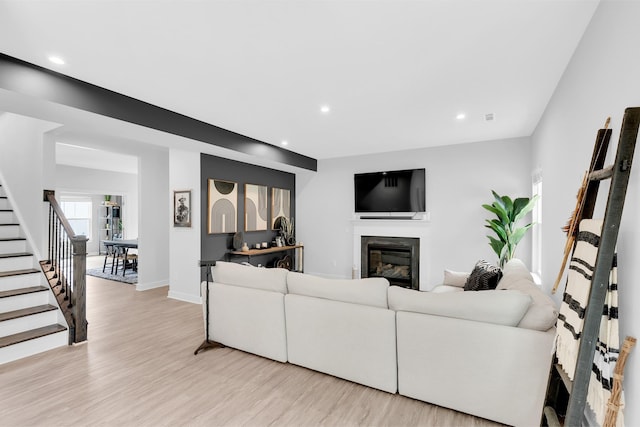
30	318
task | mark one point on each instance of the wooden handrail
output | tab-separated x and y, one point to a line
51	198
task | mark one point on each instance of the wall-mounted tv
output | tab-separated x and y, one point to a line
390	191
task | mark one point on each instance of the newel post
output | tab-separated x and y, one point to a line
79	294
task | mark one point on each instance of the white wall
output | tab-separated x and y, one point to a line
22	142
184	242
459	180
154	217
601	80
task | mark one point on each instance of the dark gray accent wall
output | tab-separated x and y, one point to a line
216	246
38	82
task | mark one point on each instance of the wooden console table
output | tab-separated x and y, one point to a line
298	259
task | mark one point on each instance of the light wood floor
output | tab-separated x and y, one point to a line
138	369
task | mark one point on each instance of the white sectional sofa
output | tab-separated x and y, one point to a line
486	353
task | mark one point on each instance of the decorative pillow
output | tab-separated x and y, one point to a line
455	278
484	277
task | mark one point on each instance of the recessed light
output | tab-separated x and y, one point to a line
461	116
284	143
489	117
325	109
56	60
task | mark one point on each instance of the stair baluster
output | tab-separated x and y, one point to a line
67	259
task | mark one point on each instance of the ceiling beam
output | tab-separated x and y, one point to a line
39	82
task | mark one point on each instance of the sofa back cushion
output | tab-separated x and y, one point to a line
370	291
267	279
543	313
498	307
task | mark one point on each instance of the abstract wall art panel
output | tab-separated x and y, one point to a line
223	206
255	207
280	206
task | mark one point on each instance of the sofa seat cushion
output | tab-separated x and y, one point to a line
266	279
440	289
543	313
498	307
370	291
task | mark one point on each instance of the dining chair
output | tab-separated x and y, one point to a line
110	252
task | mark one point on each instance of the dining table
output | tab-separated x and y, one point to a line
125	245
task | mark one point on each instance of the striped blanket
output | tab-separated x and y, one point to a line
571	320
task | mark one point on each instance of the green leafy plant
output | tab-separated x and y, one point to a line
509	213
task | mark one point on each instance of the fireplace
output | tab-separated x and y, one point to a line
395	258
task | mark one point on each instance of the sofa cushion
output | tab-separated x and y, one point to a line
498	307
440	289
267	279
455	278
370	291
483	277
543	313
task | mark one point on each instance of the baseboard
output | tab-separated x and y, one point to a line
181	296
152	285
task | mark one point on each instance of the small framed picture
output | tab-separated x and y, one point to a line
182	208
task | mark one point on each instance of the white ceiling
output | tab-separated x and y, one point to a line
395	73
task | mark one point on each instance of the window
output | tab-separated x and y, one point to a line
536	217
78	213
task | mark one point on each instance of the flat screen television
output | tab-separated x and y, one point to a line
390	191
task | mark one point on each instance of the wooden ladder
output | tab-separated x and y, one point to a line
618	173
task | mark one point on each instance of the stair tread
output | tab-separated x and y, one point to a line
12	224
15	254
22	291
9	239
9	315
32	334
18	272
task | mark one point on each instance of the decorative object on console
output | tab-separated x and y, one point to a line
182	208
286	262
255	207
238	240
280	205
484	277
509	213
222	206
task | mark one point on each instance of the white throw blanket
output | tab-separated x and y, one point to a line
571	320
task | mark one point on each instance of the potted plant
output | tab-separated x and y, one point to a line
508	212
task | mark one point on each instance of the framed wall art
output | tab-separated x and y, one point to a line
255	207
182	208
280	206
222	206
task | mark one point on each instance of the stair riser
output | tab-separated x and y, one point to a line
22	324
7	217
9	231
23	301
4	204
35	346
17	263
21	281
13	246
